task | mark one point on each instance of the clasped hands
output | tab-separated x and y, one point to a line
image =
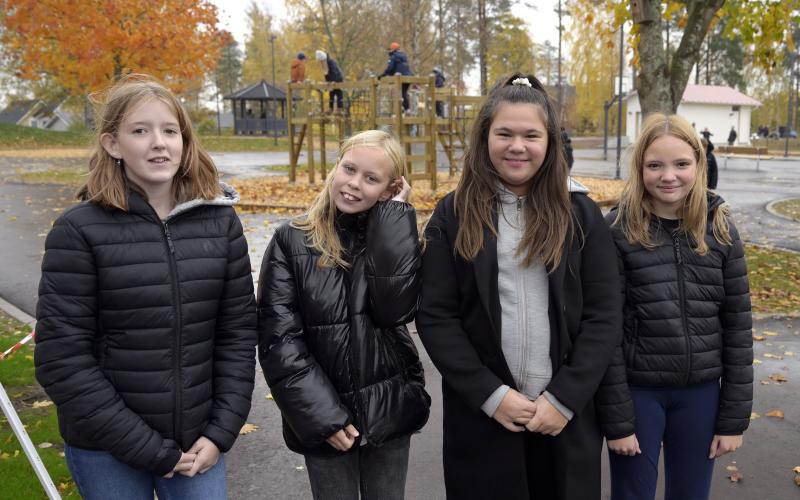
202	456
517	413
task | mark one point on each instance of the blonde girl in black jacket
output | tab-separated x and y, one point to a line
146	316
337	287
687	333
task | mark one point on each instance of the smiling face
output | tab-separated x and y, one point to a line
150	144
517	144
361	179
669	172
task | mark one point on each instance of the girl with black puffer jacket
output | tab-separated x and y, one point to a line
687	344
337	287
146	321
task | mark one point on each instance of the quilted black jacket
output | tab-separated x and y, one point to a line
687	317
146	329
333	343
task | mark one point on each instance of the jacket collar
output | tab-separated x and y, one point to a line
228	197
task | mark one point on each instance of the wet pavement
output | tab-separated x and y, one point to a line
260	466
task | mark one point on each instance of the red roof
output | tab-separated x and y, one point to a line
716	94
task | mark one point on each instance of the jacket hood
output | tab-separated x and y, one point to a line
227	198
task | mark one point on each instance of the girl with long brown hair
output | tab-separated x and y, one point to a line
519	309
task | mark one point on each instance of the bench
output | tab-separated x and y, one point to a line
741	150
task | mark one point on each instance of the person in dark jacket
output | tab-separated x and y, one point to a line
438	82
146	320
706	134
711	161
337	288
687	342
332	75
398	65
566	141
520	311
732	136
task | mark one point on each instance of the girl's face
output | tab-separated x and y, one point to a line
150	144
517	144
361	179
669	172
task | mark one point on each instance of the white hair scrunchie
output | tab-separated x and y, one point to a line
521	81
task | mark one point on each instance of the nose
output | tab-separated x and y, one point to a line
668	174
158	140
517	143
354	182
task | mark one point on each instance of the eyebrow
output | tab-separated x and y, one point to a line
507	129
367	170
174	124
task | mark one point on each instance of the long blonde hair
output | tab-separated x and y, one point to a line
107	183
320	221
548	211
635	206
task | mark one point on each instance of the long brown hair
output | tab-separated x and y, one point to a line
107	183
635	206
320	221
548	212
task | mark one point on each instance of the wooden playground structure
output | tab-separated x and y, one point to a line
377	104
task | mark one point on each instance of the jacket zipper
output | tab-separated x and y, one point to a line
523	308
682	296
176	338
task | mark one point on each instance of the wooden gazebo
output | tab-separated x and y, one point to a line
259	109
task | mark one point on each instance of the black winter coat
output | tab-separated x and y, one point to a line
146	329
459	323
398	63
333	343
687	317
334	73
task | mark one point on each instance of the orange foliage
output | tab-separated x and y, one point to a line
85	44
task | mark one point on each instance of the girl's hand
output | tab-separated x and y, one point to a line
207	456
515	411
721	445
625	446
401	189
548	420
184	464
344	439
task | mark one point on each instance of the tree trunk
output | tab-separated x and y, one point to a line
482	43
661	84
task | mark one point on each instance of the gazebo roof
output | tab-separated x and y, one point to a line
261	91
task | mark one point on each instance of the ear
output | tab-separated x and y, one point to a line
110	144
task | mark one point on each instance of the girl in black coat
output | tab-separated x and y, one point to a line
687	331
146	321
337	287
520	311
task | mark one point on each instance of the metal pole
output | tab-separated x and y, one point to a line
219	125
274	106
789	110
606	105
560	88
27	445
619	104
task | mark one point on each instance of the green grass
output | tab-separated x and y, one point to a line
17	375
242	143
777	146
774	280
789	208
67	176
17	137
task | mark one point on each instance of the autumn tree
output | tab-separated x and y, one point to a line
510	49
82	45
257	54
762	25
228	75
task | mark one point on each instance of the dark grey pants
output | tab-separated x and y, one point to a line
377	472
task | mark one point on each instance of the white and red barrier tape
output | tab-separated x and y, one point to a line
19	344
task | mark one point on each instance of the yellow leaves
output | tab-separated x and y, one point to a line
734	475
772	356
758	338
754	416
775	414
247	429
45	445
770	334
778	377
42	404
269	397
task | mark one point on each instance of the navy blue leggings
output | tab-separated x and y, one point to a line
683	419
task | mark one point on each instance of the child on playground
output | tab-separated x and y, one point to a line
520	309
687	323
146	321
337	287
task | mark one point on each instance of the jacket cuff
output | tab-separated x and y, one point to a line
568	414
491	404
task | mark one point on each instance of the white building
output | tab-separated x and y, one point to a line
714	106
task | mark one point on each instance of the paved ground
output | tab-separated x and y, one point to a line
260	466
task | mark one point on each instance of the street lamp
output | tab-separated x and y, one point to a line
619	104
274	107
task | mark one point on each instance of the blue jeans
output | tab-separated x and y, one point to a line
683	419
378	472
100	476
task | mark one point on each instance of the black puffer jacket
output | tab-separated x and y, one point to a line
333	343
687	317
146	329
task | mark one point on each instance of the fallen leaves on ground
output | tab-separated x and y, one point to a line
778	377
754	416
775	414
42	404
277	195
247	429
758	338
